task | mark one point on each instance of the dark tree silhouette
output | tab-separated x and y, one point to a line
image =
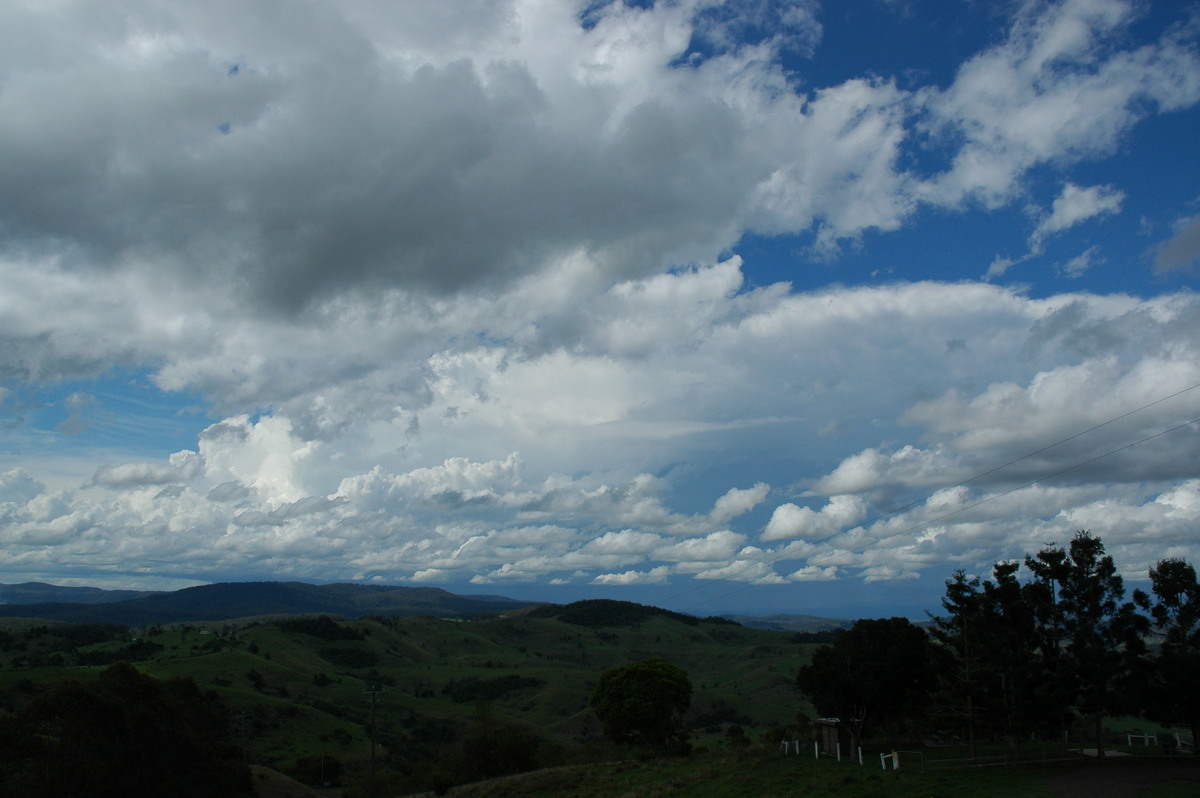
642	702
1089	637
1011	648
1054	670
964	631
877	672
1175	694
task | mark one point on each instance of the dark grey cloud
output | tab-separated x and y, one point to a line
310	162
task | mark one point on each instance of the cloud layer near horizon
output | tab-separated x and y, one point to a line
458	287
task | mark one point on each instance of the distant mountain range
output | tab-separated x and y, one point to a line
41	593
227	600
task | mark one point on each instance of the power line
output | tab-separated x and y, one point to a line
985	500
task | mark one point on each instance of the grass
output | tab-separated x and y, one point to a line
757	774
1169	791
290	698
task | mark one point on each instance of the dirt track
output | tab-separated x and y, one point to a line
1122	778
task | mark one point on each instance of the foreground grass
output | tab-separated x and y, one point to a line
757	775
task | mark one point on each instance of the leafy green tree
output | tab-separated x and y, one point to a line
643	702
1175	693
121	734
877	672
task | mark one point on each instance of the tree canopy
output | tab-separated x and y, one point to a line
1030	657
1175	693
642	702
873	673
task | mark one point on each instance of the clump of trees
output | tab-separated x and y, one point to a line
643	702
321	626
1031	657
1174	691
876	673
1013	657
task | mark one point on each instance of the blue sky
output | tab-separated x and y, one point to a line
724	306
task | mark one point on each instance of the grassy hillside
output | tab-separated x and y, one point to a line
455	697
295	690
757	774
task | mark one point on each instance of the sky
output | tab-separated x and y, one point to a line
747	306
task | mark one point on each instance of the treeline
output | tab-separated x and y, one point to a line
1014	657
322	627
55	645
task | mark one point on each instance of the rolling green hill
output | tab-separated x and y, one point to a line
295	688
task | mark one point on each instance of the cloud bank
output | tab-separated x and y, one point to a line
461	290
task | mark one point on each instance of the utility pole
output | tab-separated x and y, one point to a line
241	719
373	691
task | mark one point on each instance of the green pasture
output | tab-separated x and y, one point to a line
290	695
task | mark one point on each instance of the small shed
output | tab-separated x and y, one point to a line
834	739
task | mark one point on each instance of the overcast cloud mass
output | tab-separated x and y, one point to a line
732	305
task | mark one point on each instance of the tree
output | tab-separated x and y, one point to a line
1089	637
1175	696
877	671
642	702
987	632
1053	670
1011	649
964	633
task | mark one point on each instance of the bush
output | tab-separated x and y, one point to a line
322	627
350	657
471	688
